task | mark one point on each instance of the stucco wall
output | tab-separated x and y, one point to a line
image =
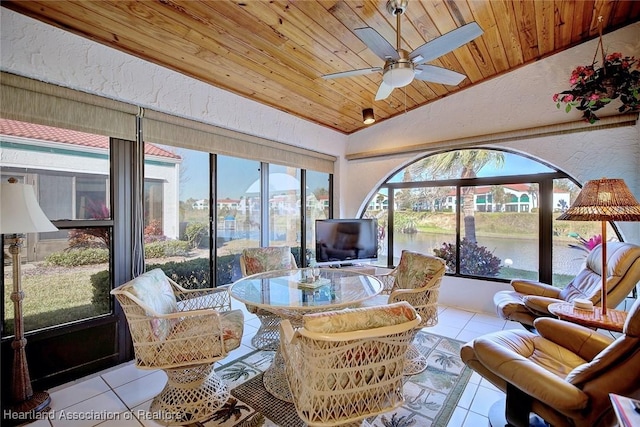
33	49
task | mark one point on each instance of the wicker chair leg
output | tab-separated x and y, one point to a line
191	394
268	335
414	361
275	378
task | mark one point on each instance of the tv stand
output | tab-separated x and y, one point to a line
360	268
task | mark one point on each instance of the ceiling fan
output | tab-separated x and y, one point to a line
401	67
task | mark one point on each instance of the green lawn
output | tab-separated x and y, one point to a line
495	224
52	296
560	280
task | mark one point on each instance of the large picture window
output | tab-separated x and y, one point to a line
66	274
486	212
238	212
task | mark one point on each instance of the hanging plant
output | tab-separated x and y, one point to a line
593	87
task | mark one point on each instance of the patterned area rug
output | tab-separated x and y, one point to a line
431	396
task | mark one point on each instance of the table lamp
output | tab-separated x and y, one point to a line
604	200
20	213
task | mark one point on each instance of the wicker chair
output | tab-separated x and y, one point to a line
344	366
183	332
416	280
259	260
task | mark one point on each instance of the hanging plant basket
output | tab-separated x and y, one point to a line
593	86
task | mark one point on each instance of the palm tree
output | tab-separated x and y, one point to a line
533	191
499	196
465	164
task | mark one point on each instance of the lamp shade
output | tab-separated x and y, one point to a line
603	200
20	212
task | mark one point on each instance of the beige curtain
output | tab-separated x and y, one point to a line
46	104
43	103
170	130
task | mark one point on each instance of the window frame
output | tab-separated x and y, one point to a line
545	203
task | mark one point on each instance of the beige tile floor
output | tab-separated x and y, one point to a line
123	392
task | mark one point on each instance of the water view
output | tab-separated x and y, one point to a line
523	253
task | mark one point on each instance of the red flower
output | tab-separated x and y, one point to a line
593	87
613	56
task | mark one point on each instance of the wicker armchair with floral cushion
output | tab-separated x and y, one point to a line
259	260
416	280
183	332
347	365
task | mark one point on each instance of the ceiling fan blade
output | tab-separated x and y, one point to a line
383	91
352	73
378	44
431	73
446	43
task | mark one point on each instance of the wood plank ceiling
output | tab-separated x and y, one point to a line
275	52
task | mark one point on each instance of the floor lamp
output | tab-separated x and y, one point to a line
604	200
20	213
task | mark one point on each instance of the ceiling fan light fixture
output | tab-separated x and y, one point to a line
399	74
367	116
397	7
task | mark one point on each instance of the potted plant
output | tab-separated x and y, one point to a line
593	86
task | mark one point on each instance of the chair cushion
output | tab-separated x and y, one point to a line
258	260
510	306
154	290
415	270
192	341
588	283
355	319
232	328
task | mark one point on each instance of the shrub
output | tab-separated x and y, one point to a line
92	237
153	232
99	237
192	274
166	248
224	271
101	284
76	257
474	259
195	233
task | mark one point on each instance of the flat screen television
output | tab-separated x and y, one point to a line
345	241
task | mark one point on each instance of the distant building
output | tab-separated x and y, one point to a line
70	174
517	198
200	204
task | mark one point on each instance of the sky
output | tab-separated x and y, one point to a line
239	174
514	164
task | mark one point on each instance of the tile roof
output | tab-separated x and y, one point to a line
53	134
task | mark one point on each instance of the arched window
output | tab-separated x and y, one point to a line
503	226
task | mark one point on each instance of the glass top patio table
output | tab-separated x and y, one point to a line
285	290
286	294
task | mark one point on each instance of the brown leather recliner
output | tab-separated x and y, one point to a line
564	374
529	299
